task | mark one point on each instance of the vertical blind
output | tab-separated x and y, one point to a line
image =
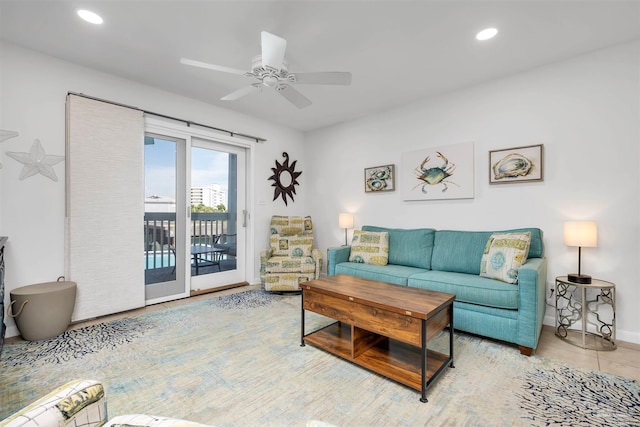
104	206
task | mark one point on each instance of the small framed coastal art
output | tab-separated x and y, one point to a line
435	173
517	164
379	178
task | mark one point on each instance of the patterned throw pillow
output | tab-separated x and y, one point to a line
504	254
291	245
370	247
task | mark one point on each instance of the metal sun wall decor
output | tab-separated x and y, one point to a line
435	173
379	178
36	162
518	164
285	179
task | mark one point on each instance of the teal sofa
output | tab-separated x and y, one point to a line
449	261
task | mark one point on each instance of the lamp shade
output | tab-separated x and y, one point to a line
581	233
345	220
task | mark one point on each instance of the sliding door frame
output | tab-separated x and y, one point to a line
183	131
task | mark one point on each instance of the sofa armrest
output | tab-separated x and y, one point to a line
316	255
532	278
79	402
336	256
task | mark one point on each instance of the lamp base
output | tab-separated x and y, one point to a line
579	278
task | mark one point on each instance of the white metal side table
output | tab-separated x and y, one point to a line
572	306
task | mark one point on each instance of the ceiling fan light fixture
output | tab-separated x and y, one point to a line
486	34
89	16
270	81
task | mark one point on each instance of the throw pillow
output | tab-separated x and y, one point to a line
504	254
370	247
291	245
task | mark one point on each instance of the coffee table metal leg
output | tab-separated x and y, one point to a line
423	374
302	321
451	337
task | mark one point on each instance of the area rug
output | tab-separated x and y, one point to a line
236	360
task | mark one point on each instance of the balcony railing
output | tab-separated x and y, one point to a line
160	233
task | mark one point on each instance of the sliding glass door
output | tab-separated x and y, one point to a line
194	225
164	223
217	232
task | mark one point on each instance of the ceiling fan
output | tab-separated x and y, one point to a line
271	70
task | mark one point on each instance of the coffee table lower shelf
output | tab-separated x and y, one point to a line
388	357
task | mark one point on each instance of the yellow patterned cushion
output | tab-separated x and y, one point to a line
293	246
370	247
504	254
285	281
281	264
291	224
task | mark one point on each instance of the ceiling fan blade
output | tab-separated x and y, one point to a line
293	96
273	48
323	78
240	93
186	61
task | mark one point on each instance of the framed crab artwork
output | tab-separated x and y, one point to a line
435	173
518	164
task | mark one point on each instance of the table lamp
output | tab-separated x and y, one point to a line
345	220
580	234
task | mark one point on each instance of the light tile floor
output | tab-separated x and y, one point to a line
624	361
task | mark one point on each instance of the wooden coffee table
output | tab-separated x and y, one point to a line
382	327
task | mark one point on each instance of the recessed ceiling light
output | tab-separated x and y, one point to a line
89	16
486	34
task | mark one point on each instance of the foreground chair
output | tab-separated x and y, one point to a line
83	403
291	258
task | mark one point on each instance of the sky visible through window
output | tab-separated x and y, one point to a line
207	167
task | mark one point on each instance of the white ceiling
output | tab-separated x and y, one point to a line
397	51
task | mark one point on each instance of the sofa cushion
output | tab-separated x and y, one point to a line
410	247
504	254
461	251
396	274
291	245
370	247
468	288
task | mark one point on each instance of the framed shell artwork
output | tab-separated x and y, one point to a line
379	178
518	164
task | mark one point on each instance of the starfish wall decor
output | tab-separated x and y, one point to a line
6	134
36	162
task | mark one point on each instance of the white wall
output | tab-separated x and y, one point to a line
586	113
33	88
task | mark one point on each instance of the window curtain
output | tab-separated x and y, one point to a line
104	206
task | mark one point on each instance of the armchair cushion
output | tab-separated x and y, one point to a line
297	245
291	224
285	264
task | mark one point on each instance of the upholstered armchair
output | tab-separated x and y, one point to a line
291	258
